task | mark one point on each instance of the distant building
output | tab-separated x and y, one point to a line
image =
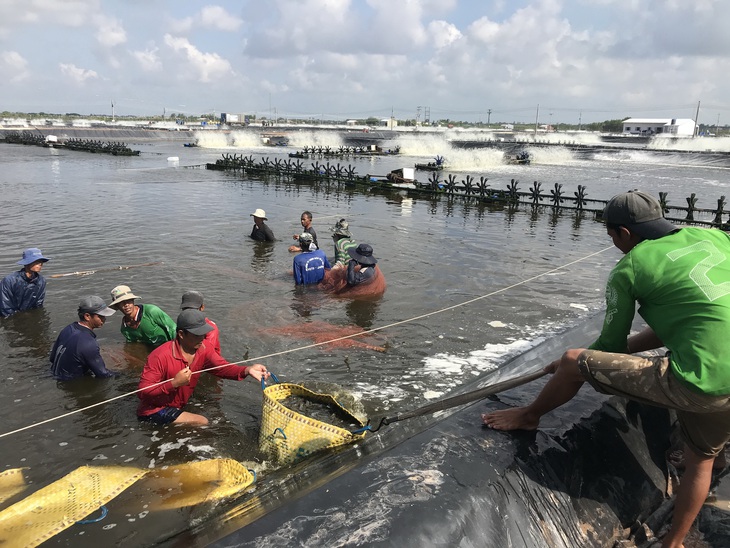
681	127
228	118
390	123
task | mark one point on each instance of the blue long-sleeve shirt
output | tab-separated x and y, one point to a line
76	353
18	292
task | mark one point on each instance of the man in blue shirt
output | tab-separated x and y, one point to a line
309	265
25	288
76	352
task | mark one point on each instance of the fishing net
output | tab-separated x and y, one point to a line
12	482
196	483
335	282
288	436
61	504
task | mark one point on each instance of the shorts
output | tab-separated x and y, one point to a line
163	416
704	419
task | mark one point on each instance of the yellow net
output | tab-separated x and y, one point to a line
12	482
287	436
195	483
56	507
59	505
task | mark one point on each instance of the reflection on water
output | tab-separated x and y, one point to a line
262	255
28	333
362	312
435	252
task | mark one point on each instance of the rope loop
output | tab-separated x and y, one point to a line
273	377
104	512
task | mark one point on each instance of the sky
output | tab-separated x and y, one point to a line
562	61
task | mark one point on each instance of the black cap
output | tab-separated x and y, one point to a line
191	299
193	321
94	305
639	212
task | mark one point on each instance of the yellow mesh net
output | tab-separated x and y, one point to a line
56	507
287	436
59	505
12	482
196	483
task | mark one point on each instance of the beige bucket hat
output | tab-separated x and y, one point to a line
121	293
259	213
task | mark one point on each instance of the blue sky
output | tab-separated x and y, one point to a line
340	59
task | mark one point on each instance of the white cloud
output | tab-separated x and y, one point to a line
216	17
443	34
110	32
77	75
13	67
148	60
205	67
209	17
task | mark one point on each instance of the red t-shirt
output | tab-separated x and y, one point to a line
212	338
165	362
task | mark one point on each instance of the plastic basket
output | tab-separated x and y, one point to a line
287	436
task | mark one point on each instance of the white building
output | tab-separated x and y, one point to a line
390	123
681	127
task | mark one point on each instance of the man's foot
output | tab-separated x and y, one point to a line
511	419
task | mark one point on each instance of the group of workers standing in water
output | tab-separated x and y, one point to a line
311	266
182	349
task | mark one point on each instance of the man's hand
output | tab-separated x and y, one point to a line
258	371
182	378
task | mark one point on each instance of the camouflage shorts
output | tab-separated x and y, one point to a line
704	419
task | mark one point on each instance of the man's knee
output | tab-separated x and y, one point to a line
569	363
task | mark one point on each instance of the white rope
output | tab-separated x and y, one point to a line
314	345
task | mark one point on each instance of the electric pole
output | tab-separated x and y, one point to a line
489	116
697	121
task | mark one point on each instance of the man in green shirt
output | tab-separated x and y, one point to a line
343	243
681	280
145	323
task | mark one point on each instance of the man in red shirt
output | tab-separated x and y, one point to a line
173	369
194	299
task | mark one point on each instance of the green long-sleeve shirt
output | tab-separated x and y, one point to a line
155	327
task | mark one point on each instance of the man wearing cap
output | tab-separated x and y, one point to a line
343	243
309	266
361	266
76	351
194	300
24	289
173	369
261	231
145	323
681	280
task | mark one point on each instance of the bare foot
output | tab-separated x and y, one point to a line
511	419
